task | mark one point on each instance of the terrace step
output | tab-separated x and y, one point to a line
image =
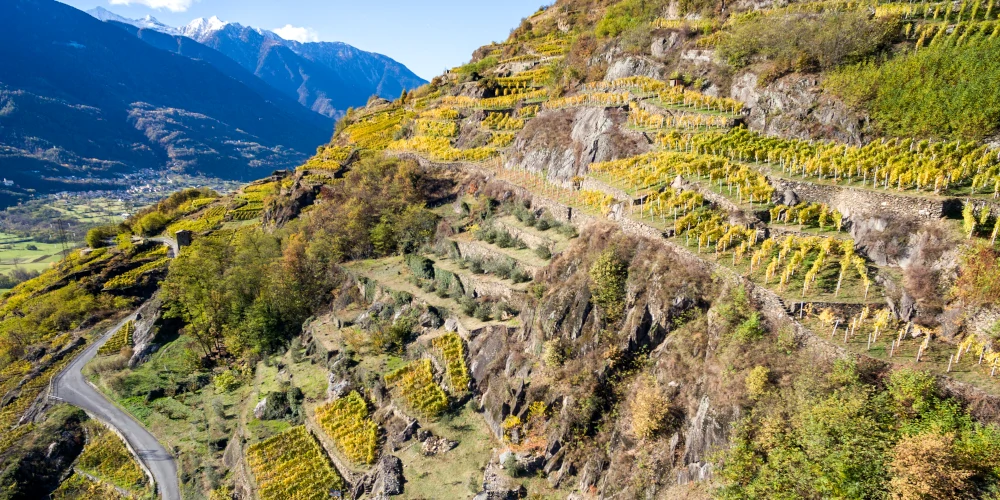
392	275
471	248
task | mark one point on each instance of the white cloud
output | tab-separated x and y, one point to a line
171	5
299	34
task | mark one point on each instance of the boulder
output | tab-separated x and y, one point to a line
436	446
274	406
663	46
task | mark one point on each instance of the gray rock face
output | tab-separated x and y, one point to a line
385	479
564	143
635	66
795	106
337	389
663	46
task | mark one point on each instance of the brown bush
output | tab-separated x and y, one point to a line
649	408
925	466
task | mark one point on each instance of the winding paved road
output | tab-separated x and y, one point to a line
71	387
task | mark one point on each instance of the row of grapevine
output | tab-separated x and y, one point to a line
131	278
980	221
528	111
973	33
900	163
415	383
348	423
530	78
441	113
679	96
440	149
660	168
330	158
640	118
11	414
206	222
119	340
635	84
79	487
808	214
247	212
948	12
704	26
668	203
453	351
435	128
377	131
502	121
293	466
106	458
595	200
503	102
500	140
602	99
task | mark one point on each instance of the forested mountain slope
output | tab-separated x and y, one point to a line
639	249
85	102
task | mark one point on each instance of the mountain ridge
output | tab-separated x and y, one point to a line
325	77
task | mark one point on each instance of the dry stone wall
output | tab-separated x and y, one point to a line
858	203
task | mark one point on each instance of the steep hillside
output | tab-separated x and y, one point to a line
640	249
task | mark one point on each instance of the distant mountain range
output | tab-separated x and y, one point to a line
83	103
326	77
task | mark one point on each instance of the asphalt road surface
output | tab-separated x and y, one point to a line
71	387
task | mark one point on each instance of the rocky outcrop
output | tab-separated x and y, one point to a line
795	106
147	328
385	479
563	143
636	66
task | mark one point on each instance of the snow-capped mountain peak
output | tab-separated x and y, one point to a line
202	27
148	22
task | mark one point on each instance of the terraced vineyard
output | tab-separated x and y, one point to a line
119	340
347	422
453	350
106	458
292	465
131	278
415	384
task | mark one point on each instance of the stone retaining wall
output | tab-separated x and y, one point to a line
863	203
475	249
530	239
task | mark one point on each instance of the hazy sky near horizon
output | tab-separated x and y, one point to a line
428	37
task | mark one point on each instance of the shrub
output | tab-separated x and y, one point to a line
607	284
543	252
938	91
151	224
806	42
543	224
392	338
519	275
756	381
227	381
627	15
751	329
553	353
926	466
511	465
482	312
979	276
421	267
649	408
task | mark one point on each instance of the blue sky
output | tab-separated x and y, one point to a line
426	36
